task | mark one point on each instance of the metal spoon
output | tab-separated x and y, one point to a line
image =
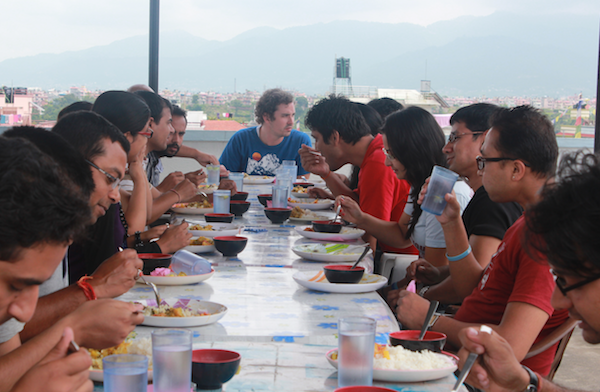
204	195
337	213
433	305
364	253
152	285
465	371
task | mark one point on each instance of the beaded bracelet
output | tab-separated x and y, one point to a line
87	288
460	256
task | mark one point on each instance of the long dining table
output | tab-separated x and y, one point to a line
281	329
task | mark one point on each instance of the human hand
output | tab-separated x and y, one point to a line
104	323
153	232
116	275
206	159
319	193
186	189
316	164
223	171
228	184
136	171
59	372
171	181
422	271
411	309
197	177
175	238
350	211
451	211
497	369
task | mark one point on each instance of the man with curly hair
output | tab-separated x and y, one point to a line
260	150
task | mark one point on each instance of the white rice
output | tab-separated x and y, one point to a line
404	359
142	346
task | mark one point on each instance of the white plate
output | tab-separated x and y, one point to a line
200	248
308	203
191	210
369	282
298	195
404	375
318	252
220	229
208	189
258	180
347	234
98	375
217	311
178	280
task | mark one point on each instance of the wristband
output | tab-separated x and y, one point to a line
423	290
177	193
138	238
88	290
533	381
327	176
460	256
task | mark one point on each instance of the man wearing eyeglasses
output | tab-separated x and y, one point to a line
512	294
573	253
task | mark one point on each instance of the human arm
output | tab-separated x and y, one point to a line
134	204
201	157
170	181
185	190
174	238
196	177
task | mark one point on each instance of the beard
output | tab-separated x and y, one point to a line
172	149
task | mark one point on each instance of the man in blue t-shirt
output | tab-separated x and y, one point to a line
260	150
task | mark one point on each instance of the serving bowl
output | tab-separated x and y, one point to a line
325	226
154	260
222	218
242	196
409	339
264	197
278	215
238	207
211	368
230	245
341	273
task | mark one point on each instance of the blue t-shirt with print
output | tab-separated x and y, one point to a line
245	152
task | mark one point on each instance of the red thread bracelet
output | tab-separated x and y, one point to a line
327	176
177	193
87	288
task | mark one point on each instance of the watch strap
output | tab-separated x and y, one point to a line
533	381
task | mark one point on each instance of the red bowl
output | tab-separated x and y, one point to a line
326	226
238	207
212	368
262	198
224	218
154	260
341	273
409	339
230	245
278	215
240	196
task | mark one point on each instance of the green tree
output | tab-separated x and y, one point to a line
52	108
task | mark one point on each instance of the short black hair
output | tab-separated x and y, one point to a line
525	133
39	204
563	225
385	106
74	107
269	102
372	118
127	111
476	117
54	145
86	132
337	113
155	102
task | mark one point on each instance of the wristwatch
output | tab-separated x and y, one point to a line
533	381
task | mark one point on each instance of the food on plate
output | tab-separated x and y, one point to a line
169	311
332	249
208	187
195	204
308	229
202	240
299	189
165	272
298	212
246	175
315	201
201	228
400	358
131	345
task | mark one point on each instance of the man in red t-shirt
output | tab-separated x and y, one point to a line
342	136
512	294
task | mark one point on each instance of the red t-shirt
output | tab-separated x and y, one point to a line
513	276
380	192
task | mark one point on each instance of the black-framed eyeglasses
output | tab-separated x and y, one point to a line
481	161
453	137
114	181
388	154
561	283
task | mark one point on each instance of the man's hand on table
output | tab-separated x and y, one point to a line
411	309
319	193
350	211
227	184
116	275
186	190
316	164
175	238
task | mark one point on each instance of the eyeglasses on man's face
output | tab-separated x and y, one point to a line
148	134
481	161
388	154
561	283
114	181
453	137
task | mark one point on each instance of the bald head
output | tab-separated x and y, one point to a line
139	87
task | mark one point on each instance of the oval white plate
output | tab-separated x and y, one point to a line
298	195
200	248
208	189
191	210
310	219
220	229
98	375
404	375
217	311
258	180
178	280
369	282
307	203
347	234
349	253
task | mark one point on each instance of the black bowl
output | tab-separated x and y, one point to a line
230	245
154	260
238	207
278	215
263	198
304	184
240	196
409	339
212	368
222	218
341	273
327	227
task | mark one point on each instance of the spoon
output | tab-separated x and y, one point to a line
364	253
152	285
337	213
465	371
204	195
433	305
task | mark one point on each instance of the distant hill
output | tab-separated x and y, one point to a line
498	55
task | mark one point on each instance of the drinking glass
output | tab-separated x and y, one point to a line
292	168
283	177
189	263
441	182
221	199
356	346
172	360
280	195
238	178
125	373
213	172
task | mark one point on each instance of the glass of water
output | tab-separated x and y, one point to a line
292	167
221	200
172	360
280	195
356	346
238	178
125	373
212	173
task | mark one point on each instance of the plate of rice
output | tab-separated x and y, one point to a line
178	280
347	234
201	244
311	204
215	229
131	345
181	312
397	364
329	252
258	179
196	208
302	215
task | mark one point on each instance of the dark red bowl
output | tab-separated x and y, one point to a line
223	218
341	273
409	339
212	368
278	215
154	260
263	198
242	196
238	207
230	245
327	226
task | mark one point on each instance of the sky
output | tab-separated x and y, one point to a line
40	26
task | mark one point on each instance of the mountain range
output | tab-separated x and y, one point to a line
502	54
